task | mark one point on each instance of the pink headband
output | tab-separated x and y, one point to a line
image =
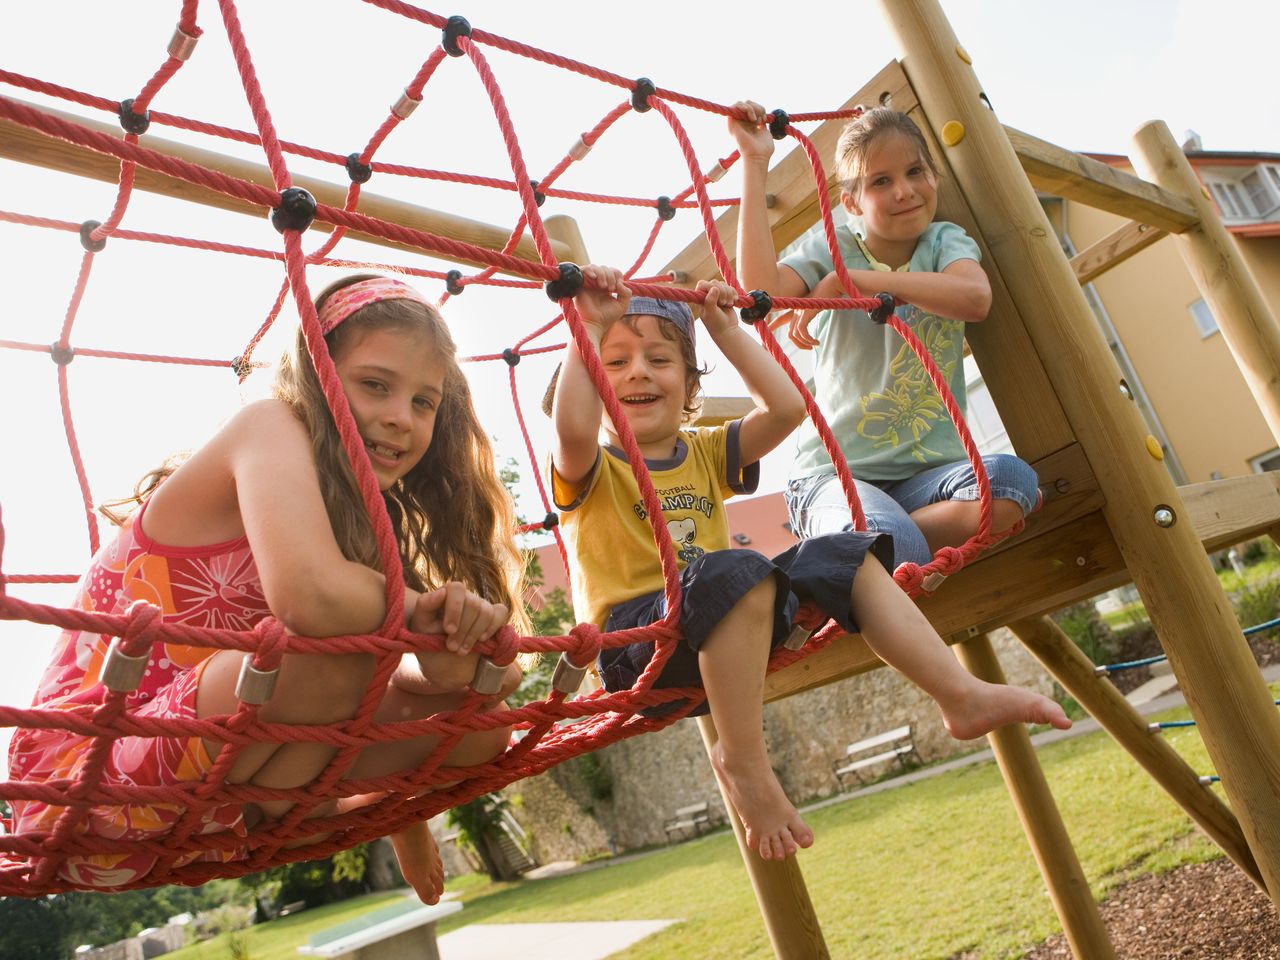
342	303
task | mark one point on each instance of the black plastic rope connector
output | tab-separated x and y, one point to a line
882	313
665	210
539	198
130	122
61	355
511	356
454	28
453	282
550	521
778	125
357	171
296	211
241	367
641	93
86	239
568	284
761	306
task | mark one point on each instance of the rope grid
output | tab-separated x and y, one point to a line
554	729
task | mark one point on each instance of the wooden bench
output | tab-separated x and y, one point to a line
691	821
898	744
402	931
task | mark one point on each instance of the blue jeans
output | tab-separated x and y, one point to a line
816	505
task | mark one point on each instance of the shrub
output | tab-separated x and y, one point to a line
1258	602
1086	628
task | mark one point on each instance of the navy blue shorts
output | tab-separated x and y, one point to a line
820	569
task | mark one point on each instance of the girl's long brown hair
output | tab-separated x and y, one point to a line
452	516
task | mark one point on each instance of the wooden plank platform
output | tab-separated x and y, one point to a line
1063	557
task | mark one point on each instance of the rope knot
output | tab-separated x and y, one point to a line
272	640
909	577
586	644
948	559
141	632
506	645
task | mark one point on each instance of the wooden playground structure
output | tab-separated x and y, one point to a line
1112	514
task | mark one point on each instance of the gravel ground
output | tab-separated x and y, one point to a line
1204	911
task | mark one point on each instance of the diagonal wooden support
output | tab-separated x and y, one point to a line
1068	664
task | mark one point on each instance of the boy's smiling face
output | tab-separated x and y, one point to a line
648	373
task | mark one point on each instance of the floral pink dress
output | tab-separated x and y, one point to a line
213	586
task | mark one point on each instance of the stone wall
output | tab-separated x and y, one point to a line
653	774
150	943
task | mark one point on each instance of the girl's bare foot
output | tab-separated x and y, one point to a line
419	861
773	826
983	707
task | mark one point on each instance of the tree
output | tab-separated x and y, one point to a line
36	929
479	824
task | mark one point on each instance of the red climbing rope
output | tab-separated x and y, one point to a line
30	863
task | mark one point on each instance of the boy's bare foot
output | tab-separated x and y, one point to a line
984	707
774	827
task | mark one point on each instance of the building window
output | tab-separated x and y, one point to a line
1263	198
1273	174
1204	318
1231	200
1265	462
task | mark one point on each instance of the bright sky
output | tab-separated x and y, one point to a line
1084	75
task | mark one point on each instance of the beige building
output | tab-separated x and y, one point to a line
1164	335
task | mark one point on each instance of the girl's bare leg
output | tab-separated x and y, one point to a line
902	637
733	661
321	689
949	523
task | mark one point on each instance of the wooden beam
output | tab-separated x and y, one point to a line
791	183
718	410
785	905
1113	250
1227	512
1220	272
1063	173
21	143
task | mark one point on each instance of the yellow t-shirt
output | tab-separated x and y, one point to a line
612	554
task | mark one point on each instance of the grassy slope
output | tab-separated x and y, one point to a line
926	870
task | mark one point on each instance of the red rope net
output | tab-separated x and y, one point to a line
554	729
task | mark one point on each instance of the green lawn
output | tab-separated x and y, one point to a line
927	870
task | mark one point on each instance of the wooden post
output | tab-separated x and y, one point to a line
1067	662
778	884
1143	512
1056	857
1220	272
566	238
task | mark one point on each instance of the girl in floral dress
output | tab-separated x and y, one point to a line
267	519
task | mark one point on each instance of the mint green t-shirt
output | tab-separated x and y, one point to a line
878	400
